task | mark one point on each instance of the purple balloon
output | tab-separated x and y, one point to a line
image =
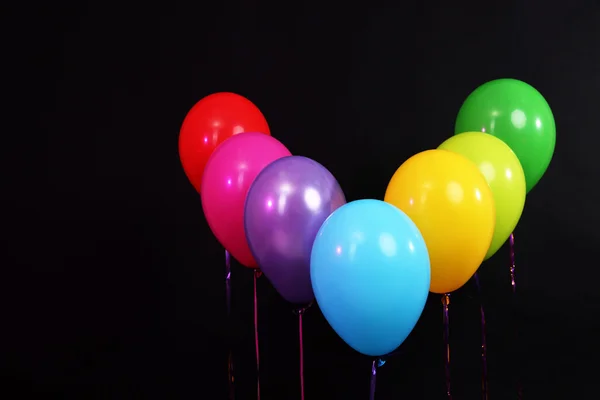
285	207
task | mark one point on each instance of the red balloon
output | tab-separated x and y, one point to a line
209	123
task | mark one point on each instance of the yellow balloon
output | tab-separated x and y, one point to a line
452	205
503	172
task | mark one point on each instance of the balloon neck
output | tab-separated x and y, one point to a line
446	299
257	273
380	362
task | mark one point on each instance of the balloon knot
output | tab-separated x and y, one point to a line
446	299
258	273
302	310
380	362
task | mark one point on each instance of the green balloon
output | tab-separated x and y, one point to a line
518	114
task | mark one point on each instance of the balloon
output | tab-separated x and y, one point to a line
228	175
519	115
502	171
370	273
285	207
452	205
212	120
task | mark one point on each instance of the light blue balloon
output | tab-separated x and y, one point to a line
370	273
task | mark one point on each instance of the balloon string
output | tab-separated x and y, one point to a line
514	291
445	303
257	275
301	354
300	312
228	301
512	262
373	380
484	378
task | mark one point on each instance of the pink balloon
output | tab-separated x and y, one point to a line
229	172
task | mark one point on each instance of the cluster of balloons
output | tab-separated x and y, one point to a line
369	263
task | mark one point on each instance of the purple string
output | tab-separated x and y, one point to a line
377	363
301	354
484	378
257	275
300	313
514	291
445	304
228	301
373	380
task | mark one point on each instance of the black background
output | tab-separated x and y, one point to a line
113	283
